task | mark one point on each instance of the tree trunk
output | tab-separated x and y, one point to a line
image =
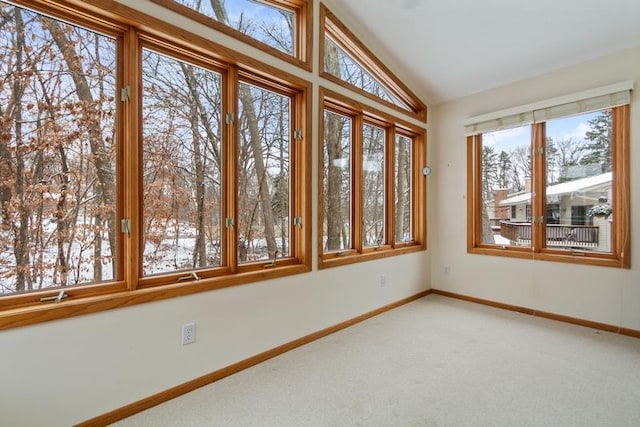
21	240
261	172
62	223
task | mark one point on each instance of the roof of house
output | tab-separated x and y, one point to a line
576	186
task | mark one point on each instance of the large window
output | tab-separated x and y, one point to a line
372	198
58	153
264	134
554	185
346	61
182	164
128	161
280	27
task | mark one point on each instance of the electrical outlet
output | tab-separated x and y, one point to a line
188	333
383	280
446	269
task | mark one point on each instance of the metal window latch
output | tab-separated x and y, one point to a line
229	118
229	222
378	244
190	276
297	221
297	134
57	298
273	261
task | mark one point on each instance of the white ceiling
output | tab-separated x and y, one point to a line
446	49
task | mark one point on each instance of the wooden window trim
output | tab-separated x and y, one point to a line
620	254
134	29
344	105
302	9
330	25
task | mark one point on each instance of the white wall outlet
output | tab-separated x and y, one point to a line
446	270
188	333
383	280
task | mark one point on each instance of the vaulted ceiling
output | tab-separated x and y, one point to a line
447	49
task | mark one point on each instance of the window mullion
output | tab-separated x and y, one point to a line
357	182
130	129
230	104
390	193
299	182
538	187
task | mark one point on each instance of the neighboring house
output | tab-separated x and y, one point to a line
567	219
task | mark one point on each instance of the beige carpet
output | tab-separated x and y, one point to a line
434	362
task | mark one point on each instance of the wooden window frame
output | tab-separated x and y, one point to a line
135	30
331	26
303	10
620	254
360	114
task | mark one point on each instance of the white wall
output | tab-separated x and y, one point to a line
63	372
60	373
598	294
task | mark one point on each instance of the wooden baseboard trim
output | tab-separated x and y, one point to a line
559	317
158	398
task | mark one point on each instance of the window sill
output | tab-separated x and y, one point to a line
577	257
332	259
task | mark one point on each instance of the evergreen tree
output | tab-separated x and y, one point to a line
599	146
504	167
489	171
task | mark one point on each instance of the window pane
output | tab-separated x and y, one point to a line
57	153
506	187
336	196
266	23
340	64
373	188
264	131
402	176
579	182
181	165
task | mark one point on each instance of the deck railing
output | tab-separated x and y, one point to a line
585	236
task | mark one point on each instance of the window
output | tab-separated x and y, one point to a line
181	149
264	131
373	186
336	182
372	199
58	168
348	62
402	179
280	27
576	201
132	162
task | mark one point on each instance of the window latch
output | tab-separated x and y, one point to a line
190	276
57	298
273	261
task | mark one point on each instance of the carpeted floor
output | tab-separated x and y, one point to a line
434	362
